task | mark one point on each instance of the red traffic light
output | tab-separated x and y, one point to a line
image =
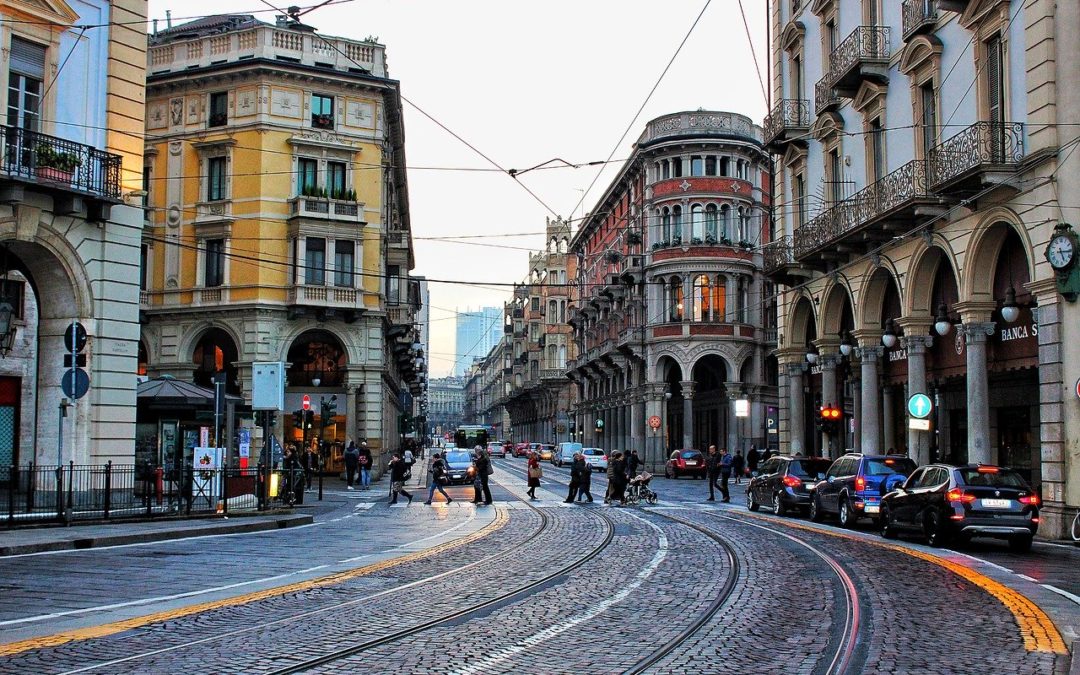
830	413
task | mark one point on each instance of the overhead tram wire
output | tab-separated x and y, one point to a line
753	53
148	20
640	109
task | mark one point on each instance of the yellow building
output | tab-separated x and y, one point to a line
277	226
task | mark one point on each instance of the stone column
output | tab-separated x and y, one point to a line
978	401
870	420
637	422
797	405
589	437
734	425
688	413
916	346
654	447
856	415
829	397
888	419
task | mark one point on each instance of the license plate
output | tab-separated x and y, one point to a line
691	464
872	508
996	503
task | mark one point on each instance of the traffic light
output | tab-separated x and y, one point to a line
829	419
329	407
309	419
297	419
599	425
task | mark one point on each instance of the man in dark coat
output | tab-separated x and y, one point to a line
725	473
398	469
584	478
632	464
352	463
752	459
712	470
480	483
617	480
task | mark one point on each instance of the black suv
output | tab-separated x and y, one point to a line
783	483
854	485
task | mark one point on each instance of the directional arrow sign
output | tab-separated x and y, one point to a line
919	406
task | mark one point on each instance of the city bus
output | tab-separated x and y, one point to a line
468	436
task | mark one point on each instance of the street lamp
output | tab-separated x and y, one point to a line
942	325
811	355
888	338
845	343
1009	311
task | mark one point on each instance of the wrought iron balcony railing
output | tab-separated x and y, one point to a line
866	43
877	200
982	146
60	163
919	16
825	97
789	114
776	255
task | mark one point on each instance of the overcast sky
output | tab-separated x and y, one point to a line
523	83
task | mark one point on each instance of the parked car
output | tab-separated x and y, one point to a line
783	483
944	502
496	449
521	450
685	463
565	453
547	451
595	457
508	448
459	467
854	485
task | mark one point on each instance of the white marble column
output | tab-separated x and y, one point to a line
870	420
978	398
888	418
797	408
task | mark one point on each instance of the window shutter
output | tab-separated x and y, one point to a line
27	58
994	84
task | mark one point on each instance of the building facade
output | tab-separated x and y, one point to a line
672	316
446	404
487	383
69	228
917	192
475	335
277	226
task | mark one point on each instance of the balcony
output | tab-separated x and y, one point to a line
553	374
324	208
779	263
861	56
986	153
789	122
898	201
59	164
325	302
825	97
920	16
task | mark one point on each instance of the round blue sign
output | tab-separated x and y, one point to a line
75	383
919	406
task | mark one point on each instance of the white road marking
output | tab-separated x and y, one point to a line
227	587
1064	594
597	609
1026	577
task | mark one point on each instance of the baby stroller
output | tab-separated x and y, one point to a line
639	490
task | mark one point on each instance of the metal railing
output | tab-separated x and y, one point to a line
866	43
789	113
776	254
58	162
35	493
825	96
983	143
898	188
917	15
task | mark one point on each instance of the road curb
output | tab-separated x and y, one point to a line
238	526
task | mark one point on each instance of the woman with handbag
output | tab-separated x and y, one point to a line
535	474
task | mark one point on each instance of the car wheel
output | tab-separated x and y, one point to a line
1020	543
751	503
887	530
816	514
935	532
667	472
847	518
778	507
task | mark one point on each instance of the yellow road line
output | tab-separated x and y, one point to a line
90	632
1037	629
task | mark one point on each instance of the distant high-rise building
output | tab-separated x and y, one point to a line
477	333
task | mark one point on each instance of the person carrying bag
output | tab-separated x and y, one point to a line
535	474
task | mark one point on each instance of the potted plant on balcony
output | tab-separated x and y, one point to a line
52	164
746	245
633	238
676	240
322	121
696	241
710	239
725	240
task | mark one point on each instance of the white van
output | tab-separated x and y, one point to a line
565	453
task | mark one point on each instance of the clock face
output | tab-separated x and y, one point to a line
1061	251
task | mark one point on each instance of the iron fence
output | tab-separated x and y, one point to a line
917	14
777	254
980	145
35	493
45	159
788	114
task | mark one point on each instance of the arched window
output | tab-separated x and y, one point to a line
710	224
697	222
552	357
552	312
665	169
719	302
676	299
744	224
562	356
702	299
725	222
665	225
676	223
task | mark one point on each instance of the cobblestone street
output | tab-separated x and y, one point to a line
534	586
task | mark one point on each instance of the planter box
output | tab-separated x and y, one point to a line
55	175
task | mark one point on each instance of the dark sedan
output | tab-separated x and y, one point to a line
944	502
459	467
685	463
784	483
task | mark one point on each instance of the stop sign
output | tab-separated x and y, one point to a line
307	402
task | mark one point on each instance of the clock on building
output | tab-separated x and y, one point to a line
1061	251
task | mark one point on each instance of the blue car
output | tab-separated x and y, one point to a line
854	485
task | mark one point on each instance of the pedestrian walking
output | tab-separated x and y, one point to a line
712	471
438	479
410	459
483	471
610	477
365	466
725	473
584	478
618	481
398	469
535	474
632	464
352	463
575	482
752	459
294	473
738	465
